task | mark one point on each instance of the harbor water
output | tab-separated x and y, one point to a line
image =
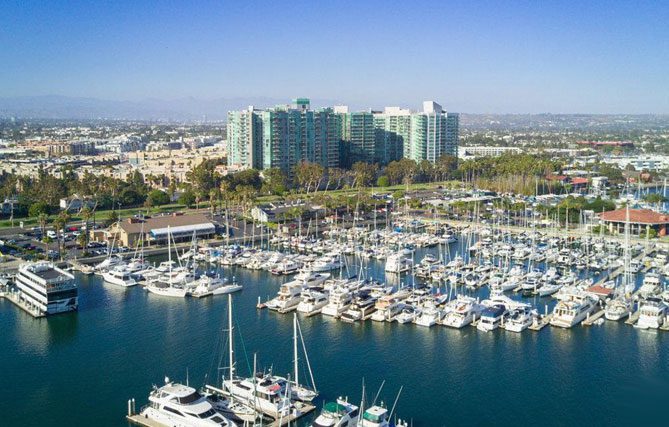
80	369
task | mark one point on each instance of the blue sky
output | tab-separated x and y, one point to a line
502	56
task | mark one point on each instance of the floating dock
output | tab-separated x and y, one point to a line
591	319
303	409
143	421
541	323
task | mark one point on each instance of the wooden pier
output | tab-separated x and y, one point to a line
591	319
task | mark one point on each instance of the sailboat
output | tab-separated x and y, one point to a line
172	282
261	392
621	305
297	391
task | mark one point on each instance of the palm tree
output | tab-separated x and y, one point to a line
59	223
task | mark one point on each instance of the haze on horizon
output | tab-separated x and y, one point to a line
477	57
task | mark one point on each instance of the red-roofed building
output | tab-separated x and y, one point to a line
640	221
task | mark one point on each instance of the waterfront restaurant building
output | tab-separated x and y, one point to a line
155	229
641	220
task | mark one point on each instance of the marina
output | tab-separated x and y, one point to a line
441	295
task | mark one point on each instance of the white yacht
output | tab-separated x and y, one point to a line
651	286
652	314
618	308
288	297
179	405
47	288
519	319
285	267
327	263
387	307
311	279
362	306
465	311
407	315
338	303
572	309
377	416
399	262
429	316
312	301
264	393
164	288
337	414
491	318
119	276
208	285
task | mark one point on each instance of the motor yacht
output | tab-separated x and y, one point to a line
119	276
651	286
399	262
491	318
618	308
338	303
519	319
361	307
652	314
465	311
288	297
572	309
312	300
408	314
213	285
179	405
387	307
263	392
337	414
429	316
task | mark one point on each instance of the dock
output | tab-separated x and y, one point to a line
143	421
591	319
631	320
303	408
14	297
541	323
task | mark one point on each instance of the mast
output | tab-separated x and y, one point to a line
230	342
295	367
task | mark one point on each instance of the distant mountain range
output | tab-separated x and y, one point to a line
66	107
58	107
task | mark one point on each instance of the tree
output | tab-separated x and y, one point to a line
37	209
187	198
43	220
308	174
364	173
158	198
383	181
274	182
59	224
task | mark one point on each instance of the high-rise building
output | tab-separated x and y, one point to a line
358	135
434	133
244	142
393	134
283	136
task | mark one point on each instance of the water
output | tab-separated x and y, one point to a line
81	369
